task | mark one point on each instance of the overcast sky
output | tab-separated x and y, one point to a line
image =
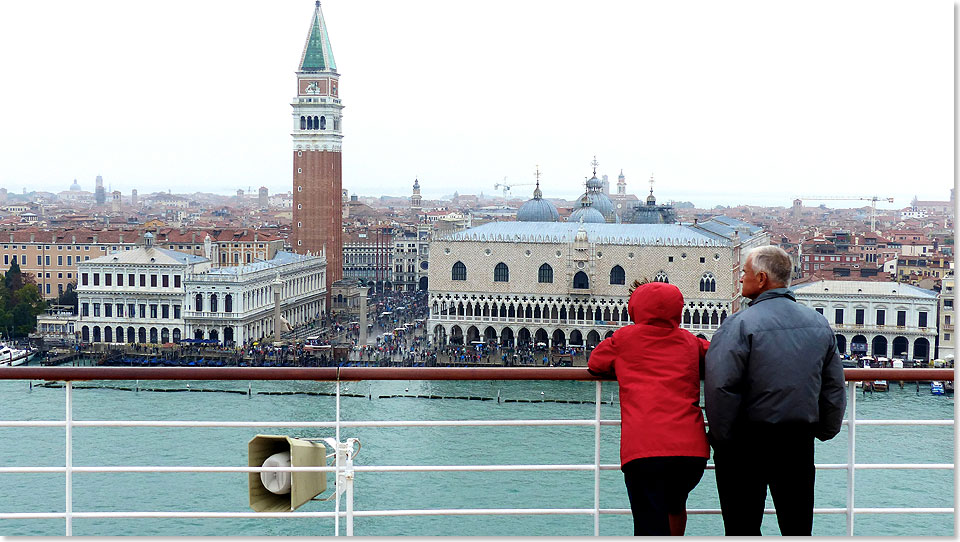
722	102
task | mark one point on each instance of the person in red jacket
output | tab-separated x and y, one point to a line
663	443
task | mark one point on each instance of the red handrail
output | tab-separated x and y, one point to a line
379	373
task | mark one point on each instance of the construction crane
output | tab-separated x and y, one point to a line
507	187
872	199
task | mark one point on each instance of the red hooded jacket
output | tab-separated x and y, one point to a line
657	366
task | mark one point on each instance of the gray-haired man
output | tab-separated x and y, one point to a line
773	382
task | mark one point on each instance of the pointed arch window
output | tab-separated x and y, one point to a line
501	273
661	277
581	281
708	283
545	275
459	271
617	275
323	123
303	122
309	123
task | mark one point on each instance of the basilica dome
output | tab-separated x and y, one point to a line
537	209
586	213
601	202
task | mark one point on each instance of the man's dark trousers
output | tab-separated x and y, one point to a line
778	455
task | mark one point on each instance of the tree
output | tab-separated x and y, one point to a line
13	279
29	303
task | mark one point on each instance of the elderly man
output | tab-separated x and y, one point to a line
774	382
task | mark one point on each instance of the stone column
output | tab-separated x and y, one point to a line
362	339
277	292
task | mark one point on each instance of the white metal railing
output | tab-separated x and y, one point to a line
346	471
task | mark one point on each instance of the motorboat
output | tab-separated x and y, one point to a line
936	387
10	357
880	385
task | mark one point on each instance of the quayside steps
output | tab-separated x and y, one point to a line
344	449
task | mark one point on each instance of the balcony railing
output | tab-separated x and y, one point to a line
346	471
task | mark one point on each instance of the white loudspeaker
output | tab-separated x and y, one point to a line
284	491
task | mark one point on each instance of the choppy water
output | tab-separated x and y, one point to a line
227	492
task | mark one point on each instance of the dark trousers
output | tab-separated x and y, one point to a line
658	487
779	456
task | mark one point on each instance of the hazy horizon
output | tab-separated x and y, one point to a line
723	103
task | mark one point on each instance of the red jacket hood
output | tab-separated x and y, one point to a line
657	304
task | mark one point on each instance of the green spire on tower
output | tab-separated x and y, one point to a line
317	53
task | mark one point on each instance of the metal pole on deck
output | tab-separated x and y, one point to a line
851	452
596	464
68	461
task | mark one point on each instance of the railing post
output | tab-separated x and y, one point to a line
596	464
339	463
348	478
68	460
851	452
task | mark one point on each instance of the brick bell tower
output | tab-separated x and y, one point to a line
317	125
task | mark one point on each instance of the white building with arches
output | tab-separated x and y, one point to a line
155	295
135	296
234	305
889	319
563	283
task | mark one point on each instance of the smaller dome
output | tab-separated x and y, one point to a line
586	213
589	215
75	186
416	184
594	183
537	210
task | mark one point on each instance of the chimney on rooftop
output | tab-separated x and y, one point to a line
32	235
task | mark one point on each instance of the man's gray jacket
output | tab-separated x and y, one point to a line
774	362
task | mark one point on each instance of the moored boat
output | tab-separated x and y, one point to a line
880	385
15	356
936	387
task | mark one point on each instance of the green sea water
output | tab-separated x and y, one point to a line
227	492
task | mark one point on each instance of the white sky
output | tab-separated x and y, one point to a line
723	102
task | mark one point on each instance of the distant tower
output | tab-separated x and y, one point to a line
317	125
100	194
606	185
797	208
133	197
264	197
239	195
116	201
621	184
415	198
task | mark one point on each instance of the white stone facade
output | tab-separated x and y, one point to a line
135	296
947	320
585	299
888	319
150	295
235	305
